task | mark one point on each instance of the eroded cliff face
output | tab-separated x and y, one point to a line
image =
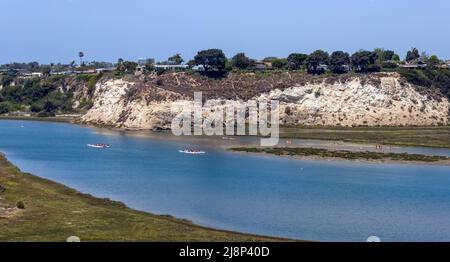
355	100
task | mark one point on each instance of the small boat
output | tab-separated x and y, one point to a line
99	145
192	152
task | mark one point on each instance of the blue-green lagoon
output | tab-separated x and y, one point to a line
312	200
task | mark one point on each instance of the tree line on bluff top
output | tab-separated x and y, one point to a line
315	63
214	60
42	96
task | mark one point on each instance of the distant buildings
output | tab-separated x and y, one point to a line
56	73
322	67
413	66
87	71
4	71
22	73
447	63
261	65
108	69
32	71
171	67
37	74
84	71
198	68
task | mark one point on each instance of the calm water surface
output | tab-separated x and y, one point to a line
314	200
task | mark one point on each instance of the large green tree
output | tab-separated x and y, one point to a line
412	55
338	61
81	55
211	60
241	61
296	61
363	59
396	58
315	59
279	63
433	61
384	55
176	59
126	66
149	66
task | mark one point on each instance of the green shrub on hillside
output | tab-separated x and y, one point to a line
35	94
439	78
6	80
388	65
5	107
20	205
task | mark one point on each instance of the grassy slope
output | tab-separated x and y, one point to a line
54	212
401	136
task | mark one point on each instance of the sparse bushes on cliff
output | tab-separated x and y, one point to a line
36	107
442	81
6	80
439	78
20	205
5	107
373	68
416	77
9	106
36	94
30	91
389	65
86	104
93	79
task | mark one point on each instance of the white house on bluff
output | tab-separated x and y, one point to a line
171	67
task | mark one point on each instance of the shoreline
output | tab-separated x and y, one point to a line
15	212
75	121
330	131
60	119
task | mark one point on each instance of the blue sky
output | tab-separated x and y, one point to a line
55	30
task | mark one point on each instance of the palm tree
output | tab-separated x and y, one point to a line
81	55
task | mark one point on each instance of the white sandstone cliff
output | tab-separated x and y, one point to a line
388	102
